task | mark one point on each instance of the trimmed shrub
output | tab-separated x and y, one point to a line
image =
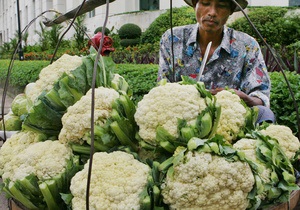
129	42
180	16
273	25
99	29
130	31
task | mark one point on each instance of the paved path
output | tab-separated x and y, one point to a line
3	202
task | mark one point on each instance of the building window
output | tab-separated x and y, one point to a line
149	4
92	13
293	3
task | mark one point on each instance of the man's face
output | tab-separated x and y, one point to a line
212	14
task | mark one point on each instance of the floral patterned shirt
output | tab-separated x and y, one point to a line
237	62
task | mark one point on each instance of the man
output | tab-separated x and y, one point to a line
234	60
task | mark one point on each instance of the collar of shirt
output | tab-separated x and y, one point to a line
226	41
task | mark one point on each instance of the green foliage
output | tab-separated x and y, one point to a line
116	40
273	24
23	72
99	29
25	39
5	49
293	54
54	35
48	38
129	42
141	78
129	31
43	37
282	102
141	54
14	43
180	16
80	30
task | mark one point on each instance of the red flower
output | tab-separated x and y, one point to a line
107	43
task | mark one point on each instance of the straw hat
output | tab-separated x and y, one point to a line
243	4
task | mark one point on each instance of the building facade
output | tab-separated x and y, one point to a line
33	12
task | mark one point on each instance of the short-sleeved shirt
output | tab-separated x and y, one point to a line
237	62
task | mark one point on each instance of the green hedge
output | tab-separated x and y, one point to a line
22	72
281	99
141	78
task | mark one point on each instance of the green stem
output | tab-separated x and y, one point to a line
48	197
81	149
18	195
123	138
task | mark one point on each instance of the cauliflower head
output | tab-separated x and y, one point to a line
44	159
11	121
206	181
164	105
233	114
269	176
20	105
51	73
285	137
116	183
248	146
16	144
77	120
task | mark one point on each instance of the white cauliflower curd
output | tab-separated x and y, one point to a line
51	73
117	181
164	105
233	114
207	181
248	146
77	120
285	137
16	144
273	172
43	159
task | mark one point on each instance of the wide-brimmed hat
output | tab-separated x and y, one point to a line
243	4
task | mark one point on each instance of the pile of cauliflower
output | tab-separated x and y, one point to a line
179	147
